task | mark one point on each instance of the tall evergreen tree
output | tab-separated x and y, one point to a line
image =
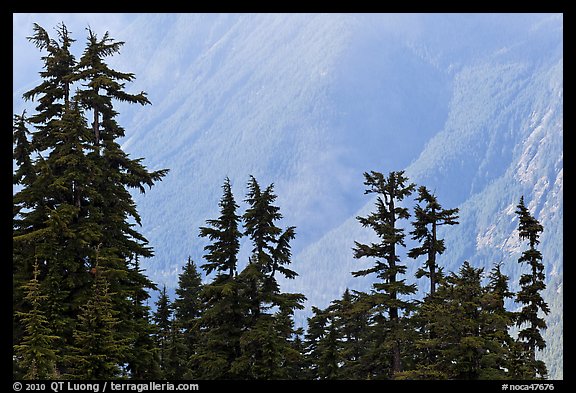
176	364
98	76
472	326
338	337
222	255
41	206
322	345
292	363
188	308
75	195
163	320
299	369
54	227
54	93
24	176
36	355
388	291
263	344
458	324
222	320
429	218
98	346
102	87
271	248
496	363
142	361
530	294
352	318
428	323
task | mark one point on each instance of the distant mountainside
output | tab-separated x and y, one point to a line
471	105
502	138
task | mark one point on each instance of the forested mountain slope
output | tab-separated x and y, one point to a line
470	105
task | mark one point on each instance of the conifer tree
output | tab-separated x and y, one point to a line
338	337
323	344
429	218
222	319
36	355
222	254
97	75
352	321
55	228
188	309
23	151
271	248
54	93
98	346
102	87
388	291
163	320
497	321
142	360
316	332
458	324
23	176
176	364
41	206
530	295
299	369
75	192
472	326
264	344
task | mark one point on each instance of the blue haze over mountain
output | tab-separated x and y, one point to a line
470	105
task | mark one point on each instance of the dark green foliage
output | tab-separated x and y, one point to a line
338	338
322	345
246	328
98	346
163	321
266	344
53	94
389	289
428	219
35	357
142	360
470	326
96	76
219	330
458	324
352	320
430	216
185	328
460	330
176	354
224	233
24	174
498	321
299	368
271	251
223	312
267	350
530	295
74	209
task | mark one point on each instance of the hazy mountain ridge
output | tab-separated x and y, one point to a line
502	139
480	129
471	105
